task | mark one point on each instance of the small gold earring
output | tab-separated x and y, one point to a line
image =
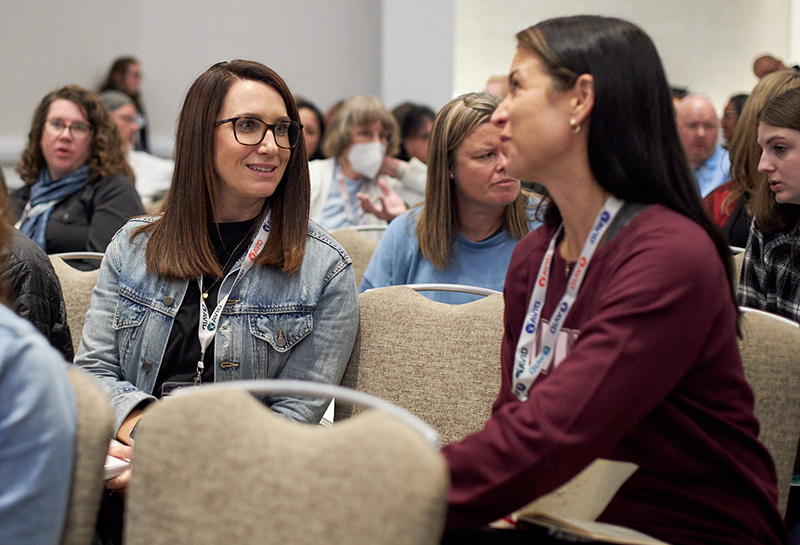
575	127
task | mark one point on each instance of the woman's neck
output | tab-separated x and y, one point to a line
347	169
477	223
229	213
579	202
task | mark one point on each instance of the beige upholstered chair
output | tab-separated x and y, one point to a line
216	467
95	427
441	362
771	356
738	261
358	247
77	288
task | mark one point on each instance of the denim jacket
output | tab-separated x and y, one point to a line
298	326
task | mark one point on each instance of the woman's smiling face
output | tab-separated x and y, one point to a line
248	175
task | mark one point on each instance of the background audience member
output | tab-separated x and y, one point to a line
771	269
767	64
33	289
313	128
497	86
729	204
37	429
614	358
730	115
78	190
698	128
34	292
125	75
361	135
474	213
234	252
415	122
152	175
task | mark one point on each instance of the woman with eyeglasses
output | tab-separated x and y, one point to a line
78	189
347	189
231	281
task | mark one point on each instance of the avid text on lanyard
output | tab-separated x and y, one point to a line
527	366
208	323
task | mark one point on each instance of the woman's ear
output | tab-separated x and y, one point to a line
583	98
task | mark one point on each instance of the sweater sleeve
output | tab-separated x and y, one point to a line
623	364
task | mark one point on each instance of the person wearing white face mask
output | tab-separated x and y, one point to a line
346	189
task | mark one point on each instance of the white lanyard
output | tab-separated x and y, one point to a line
32	211
346	204
208	324
526	367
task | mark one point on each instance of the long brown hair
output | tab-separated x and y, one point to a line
771	216
744	149
439	220
180	246
108	150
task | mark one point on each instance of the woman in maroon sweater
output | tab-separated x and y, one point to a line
620	328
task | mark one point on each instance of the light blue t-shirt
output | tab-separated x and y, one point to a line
37	432
399	260
714	172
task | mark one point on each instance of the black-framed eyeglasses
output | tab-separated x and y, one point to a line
250	131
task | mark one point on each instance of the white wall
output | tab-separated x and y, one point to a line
417	61
421	50
706	45
325	49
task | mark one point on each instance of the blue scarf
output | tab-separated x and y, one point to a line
45	194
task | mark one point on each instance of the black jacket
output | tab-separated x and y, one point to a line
34	291
87	220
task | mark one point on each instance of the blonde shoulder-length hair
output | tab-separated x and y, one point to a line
439	220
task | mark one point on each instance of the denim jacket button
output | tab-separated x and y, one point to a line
167	300
147	366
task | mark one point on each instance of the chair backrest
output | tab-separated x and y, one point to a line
738	261
77	288
771	361
460	288
440	362
216	467
94	431
358	247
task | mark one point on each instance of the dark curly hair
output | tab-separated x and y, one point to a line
108	149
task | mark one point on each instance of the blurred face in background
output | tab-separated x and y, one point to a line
417	144
131	80
125	118
729	119
698	128
311	130
66	138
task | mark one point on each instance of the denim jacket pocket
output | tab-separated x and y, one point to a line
282	330
128	318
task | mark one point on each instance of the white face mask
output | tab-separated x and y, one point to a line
367	158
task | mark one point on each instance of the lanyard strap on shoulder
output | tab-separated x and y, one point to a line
527	367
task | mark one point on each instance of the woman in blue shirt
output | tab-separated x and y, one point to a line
474	212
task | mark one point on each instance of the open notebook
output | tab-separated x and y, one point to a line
570	512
